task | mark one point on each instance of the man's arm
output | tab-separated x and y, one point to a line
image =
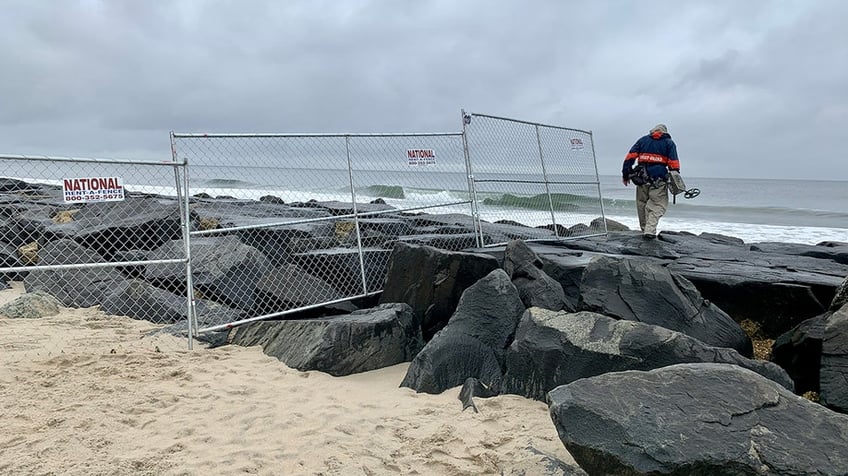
673	161
629	159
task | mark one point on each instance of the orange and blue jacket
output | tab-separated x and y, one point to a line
657	151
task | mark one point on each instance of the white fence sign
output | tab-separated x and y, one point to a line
417	157
93	189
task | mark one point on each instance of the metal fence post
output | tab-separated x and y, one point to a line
598	180
547	182
356	217
472	193
182	199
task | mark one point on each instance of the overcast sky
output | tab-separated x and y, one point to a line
747	88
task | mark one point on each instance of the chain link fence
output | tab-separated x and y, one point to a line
289	222
79	242
534	175
265	225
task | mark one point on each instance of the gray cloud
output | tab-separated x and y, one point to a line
747	88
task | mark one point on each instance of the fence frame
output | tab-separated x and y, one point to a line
181	194
356	215
183	187
468	117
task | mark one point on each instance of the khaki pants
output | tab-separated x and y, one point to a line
651	204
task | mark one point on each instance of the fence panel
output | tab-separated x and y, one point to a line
310	219
534	175
91	232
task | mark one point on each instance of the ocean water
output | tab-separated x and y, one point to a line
796	211
755	210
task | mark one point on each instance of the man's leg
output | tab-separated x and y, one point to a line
641	201
655	208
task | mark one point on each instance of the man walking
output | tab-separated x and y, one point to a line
654	155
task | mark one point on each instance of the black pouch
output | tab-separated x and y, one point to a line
639	175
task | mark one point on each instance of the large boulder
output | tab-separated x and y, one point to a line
474	342
555	348
343	268
223	269
534	286
696	419
776	287
31	306
798	351
141	300
833	378
135	223
290	287
638	290
432	281
80	287
364	340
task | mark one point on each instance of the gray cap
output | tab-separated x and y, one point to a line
659	128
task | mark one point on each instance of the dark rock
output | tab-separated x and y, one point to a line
597	225
636	290
432	281
14	185
8	256
722	239
566	268
798	351
832	244
451	242
341	267
534	286
346	208
579	229
448	361
137	223
269	227
492	232
509	222
282	243
838	254
474	388
83	287
223	269
339	345
558	230
519	258
773	289
696	419
388	227
141	300
134	271
23	222
840	298
209	314
481	329
833	378
291	287
555	348
272	199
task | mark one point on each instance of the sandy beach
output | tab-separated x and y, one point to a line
84	393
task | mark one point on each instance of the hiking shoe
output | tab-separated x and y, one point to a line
649	236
